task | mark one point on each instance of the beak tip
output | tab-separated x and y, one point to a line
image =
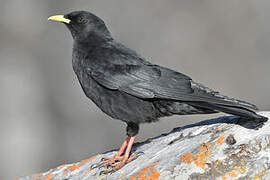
59	18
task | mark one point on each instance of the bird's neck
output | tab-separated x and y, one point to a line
83	48
91	41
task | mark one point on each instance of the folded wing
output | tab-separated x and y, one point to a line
130	73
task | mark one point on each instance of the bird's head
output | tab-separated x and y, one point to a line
83	25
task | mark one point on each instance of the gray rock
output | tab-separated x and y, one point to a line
212	149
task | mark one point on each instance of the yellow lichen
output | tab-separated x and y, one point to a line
259	175
241	169
218	162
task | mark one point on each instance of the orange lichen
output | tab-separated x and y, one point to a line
86	160
147	168
36	175
232	174
140	173
122	176
155	174
220	140
61	166
133	178
88	170
201	157
74	167
49	176
69	168
203	147
143	177
200	160
224	178
147	173
187	158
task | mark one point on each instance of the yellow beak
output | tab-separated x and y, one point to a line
59	18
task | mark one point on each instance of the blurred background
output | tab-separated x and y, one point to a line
46	120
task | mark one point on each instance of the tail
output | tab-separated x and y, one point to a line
234	110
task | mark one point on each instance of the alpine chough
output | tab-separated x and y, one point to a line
127	87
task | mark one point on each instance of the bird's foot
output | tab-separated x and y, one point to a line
109	169
112	165
107	161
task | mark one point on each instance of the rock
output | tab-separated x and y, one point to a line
211	149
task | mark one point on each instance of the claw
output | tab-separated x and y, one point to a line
94	166
139	153
108	166
97	165
101	166
117	161
111	171
108	170
103	159
104	172
135	156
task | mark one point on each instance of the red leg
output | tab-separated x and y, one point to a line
117	156
114	161
122	148
126	156
129	146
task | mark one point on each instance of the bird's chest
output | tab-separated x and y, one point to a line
116	104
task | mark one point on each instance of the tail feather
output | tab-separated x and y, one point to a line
234	110
208	95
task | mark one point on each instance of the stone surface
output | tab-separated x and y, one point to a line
212	149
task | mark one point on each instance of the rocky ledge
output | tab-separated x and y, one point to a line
211	149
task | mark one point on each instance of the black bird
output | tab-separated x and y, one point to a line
127	87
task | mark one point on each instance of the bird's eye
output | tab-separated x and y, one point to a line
81	20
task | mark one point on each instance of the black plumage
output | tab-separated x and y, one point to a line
127	87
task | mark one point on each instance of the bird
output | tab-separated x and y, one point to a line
127	87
